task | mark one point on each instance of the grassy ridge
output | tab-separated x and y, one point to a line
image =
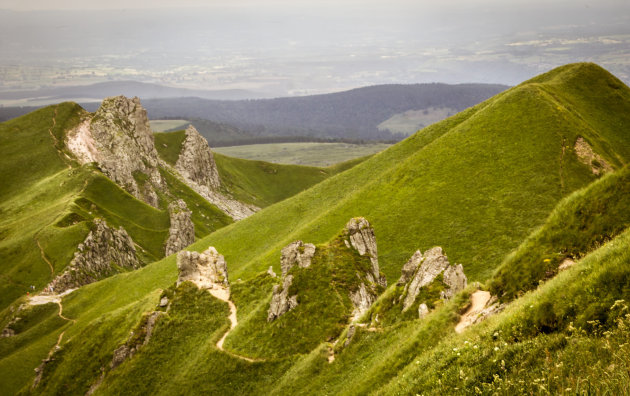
475	184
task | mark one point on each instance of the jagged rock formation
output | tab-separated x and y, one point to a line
182	230
207	270
421	270
119	140
97	257
281	303
296	253
361	238
198	170
359	235
196	162
587	156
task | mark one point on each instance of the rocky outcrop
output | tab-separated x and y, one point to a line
182	230
587	156
296	253
102	251
360	237
421	270
196	162
454	279
119	140
207	270
281	302
198	170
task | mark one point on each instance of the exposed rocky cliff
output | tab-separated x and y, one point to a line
359	235
103	252
196	161
296	253
207	270
198	170
119	140
361	238
422	270
182	230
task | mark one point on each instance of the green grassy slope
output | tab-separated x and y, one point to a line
48	203
255	182
475	184
580	223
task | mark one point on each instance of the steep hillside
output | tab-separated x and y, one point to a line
477	185
50	201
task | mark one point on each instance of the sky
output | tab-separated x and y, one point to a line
286	48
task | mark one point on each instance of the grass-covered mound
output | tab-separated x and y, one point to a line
579	224
324	306
476	184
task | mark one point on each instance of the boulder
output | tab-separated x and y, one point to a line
182	230
421	270
281	303
207	270
296	253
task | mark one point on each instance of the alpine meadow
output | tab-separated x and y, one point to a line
487	253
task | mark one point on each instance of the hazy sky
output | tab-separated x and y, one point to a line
294	47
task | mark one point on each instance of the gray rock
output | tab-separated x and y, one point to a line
196	162
410	267
182	230
297	252
206	270
427	267
197	168
103	249
432	264
271	273
281	303
362	300
455	280
361	238
119	140
164	302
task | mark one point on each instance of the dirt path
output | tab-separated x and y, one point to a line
224	295
479	299
41	251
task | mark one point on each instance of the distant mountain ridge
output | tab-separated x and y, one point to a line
353	115
144	90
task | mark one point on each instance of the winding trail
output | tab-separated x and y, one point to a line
41	251
46	299
224	295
